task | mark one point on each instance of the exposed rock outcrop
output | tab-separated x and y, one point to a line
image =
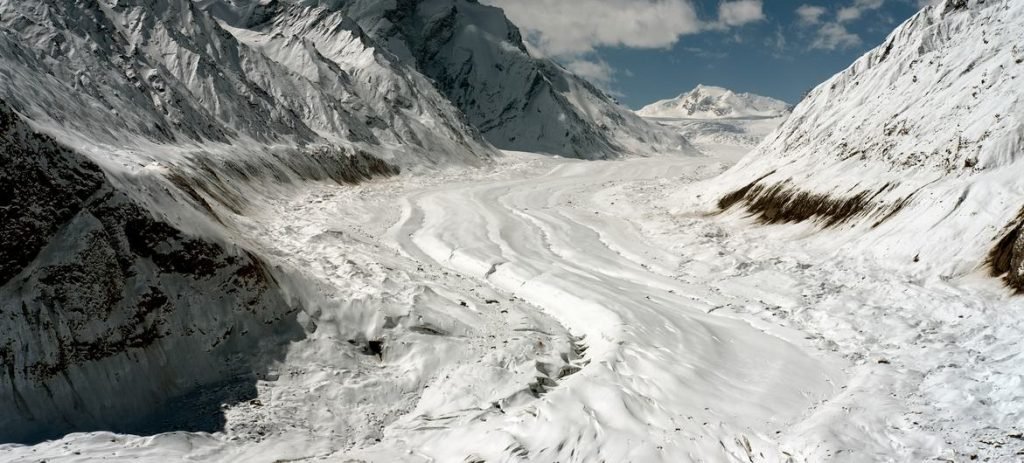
109	314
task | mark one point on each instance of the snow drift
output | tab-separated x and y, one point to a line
915	146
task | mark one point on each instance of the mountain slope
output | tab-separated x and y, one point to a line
707	102
921	137
169	74
477	58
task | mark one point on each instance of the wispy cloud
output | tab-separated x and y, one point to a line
595	70
740	12
810	14
832	30
778	44
572	31
857	9
569	28
832	36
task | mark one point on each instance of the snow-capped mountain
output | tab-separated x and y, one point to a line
166	72
737	136
715	119
919	142
708	102
130	131
477	58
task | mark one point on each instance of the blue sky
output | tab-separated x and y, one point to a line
646	50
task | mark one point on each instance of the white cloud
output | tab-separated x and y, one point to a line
570	31
857	9
572	28
597	71
810	14
740	12
848	14
834	35
777	42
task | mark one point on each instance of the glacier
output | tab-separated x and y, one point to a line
351	230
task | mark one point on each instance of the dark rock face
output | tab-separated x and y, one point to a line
503	109
173	75
1006	259
111	318
782	204
42	185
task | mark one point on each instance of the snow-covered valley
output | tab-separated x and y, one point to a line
277	230
550	310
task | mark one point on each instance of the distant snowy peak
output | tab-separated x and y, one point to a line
708	102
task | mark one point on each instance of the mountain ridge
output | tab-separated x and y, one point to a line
477	58
171	75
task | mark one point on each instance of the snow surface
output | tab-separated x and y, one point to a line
709	102
549	310
729	136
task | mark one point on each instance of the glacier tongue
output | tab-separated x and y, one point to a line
144	132
181	247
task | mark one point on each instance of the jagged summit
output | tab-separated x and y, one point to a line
710	102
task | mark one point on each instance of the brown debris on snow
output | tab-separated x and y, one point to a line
781	203
1006	259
